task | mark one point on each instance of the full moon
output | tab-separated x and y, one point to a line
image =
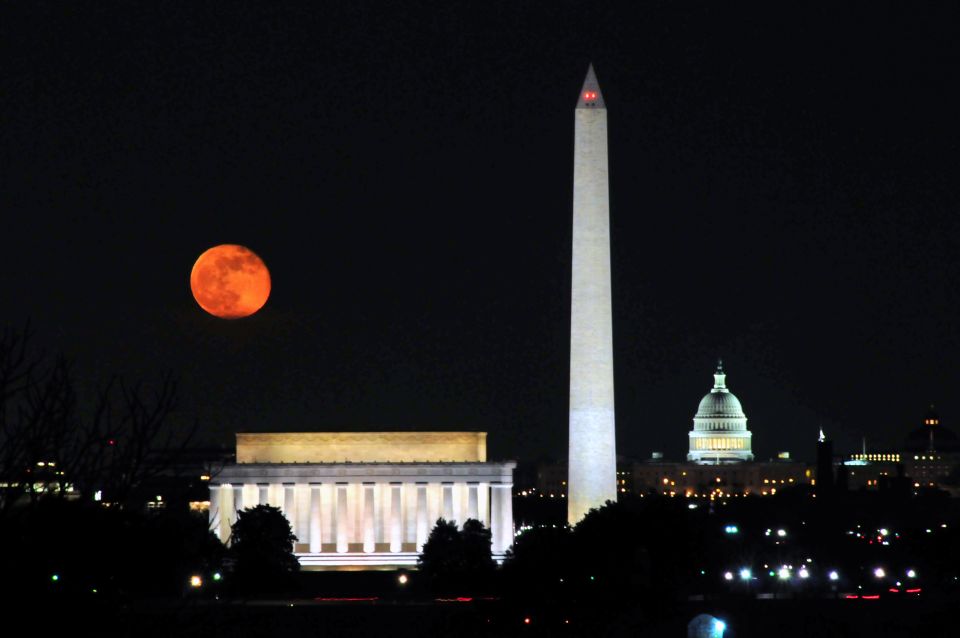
230	281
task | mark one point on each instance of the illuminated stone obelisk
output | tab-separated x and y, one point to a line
592	478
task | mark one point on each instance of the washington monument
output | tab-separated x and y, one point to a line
592	477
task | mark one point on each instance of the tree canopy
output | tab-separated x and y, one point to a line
261	546
457	559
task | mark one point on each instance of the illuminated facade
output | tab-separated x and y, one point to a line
592	443
720	432
928	458
366	500
695	480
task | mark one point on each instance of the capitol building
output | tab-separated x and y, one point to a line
720	462
720	432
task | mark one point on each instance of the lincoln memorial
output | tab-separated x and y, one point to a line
360	500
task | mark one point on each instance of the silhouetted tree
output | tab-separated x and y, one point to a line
48	444
457	560
87	546
540	565
477	554
261	545
442	554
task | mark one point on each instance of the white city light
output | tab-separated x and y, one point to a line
745	574
781	533
879	572
911	573
833	575
784	573
728	576
803	573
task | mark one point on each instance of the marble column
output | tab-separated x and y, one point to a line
342	521
263	490
423	529
447	511
227	514
473	507
315	520
237	500
501	514
483	502
460	503
250	495
328	514
369	538
289	505
302	499
215	511
396	518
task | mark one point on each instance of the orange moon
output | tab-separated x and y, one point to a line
230	281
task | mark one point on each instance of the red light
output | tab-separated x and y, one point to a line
873	597
526	621
894	590
913	591
111	442
334	599
851	596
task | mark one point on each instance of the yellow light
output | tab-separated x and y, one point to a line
402	579
196	581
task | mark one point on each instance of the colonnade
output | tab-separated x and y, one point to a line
367	516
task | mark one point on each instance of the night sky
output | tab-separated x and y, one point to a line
784	194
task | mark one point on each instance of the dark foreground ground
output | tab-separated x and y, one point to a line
298	618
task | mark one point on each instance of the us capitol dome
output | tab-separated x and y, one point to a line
720	432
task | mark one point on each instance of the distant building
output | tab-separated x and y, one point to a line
928	458
366	500
931	452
